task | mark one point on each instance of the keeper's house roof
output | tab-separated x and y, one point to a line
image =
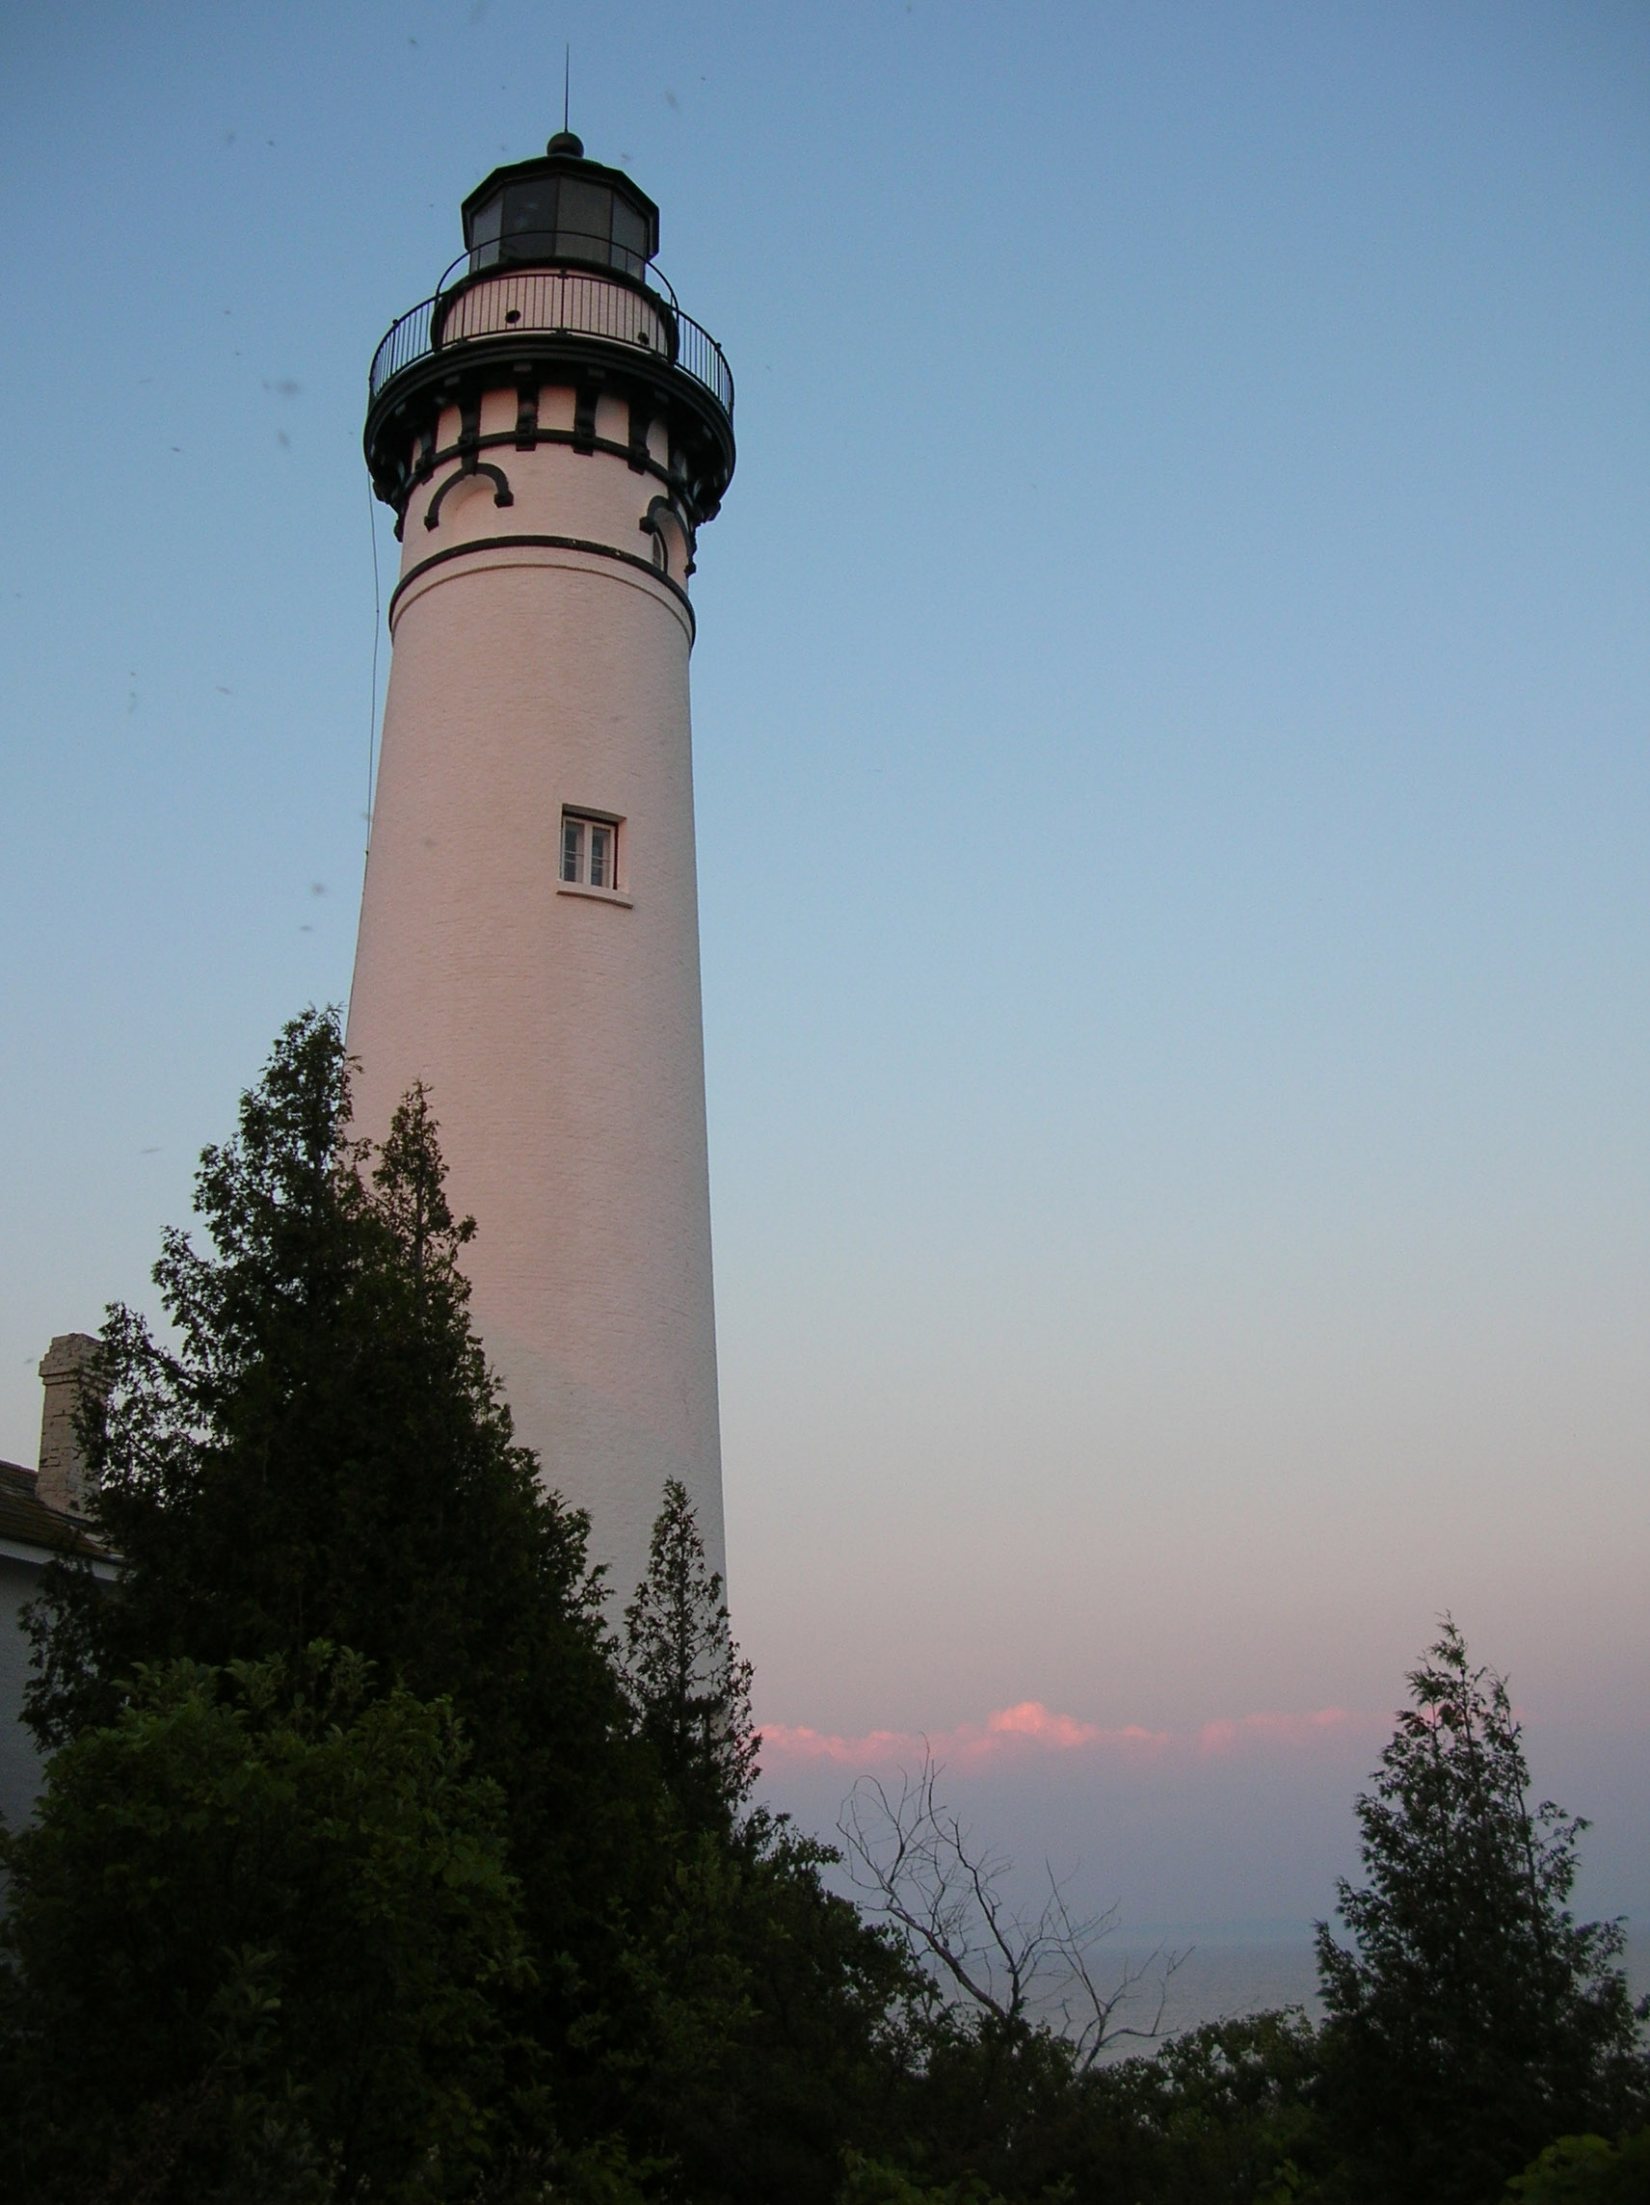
26	1521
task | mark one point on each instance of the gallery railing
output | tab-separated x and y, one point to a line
490	292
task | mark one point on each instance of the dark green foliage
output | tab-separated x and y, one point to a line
323	1452
766	2033
1587	2170
690	1684
763	2036
1472	2019
1003	2103
259	1931
874	2182
1223	2115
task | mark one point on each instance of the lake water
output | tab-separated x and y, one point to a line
1234	1969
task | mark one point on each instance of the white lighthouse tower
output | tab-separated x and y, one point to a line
552	430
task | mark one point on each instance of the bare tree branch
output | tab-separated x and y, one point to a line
918	1866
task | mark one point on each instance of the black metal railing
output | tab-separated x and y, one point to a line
572	300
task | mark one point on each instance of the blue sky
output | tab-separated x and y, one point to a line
1170	711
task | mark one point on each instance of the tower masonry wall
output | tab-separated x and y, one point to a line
554	490
557	1026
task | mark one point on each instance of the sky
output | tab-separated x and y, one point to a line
1170	709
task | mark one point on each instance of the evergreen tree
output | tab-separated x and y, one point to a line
323	1451
778	2025
320	1451
1472	2020
689	1682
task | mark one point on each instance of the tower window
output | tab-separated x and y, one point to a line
589	851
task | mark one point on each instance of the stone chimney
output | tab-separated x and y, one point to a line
64	1481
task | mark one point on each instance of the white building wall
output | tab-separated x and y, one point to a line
20	1763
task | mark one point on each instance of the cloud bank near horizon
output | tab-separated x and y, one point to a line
1028	1727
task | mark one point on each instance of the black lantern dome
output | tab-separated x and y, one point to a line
564	211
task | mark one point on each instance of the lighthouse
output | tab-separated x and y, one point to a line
552	430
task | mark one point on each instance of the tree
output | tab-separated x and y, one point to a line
1587	2170
257	1944
320	1451
1471	2020
323	1452
1221	2114
874	2182
689	1682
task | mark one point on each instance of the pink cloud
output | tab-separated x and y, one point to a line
1222	1735
1031	1719
1030	1727
796	1742
1026	1725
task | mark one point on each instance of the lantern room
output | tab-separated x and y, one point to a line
562	211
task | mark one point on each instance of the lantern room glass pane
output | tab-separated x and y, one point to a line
629	237
585	219
529	221
485	225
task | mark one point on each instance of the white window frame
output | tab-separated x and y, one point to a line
590	827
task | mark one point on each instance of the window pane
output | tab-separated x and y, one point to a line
530	221
629	238
484	232
571	836
585	219
529	210
601	843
